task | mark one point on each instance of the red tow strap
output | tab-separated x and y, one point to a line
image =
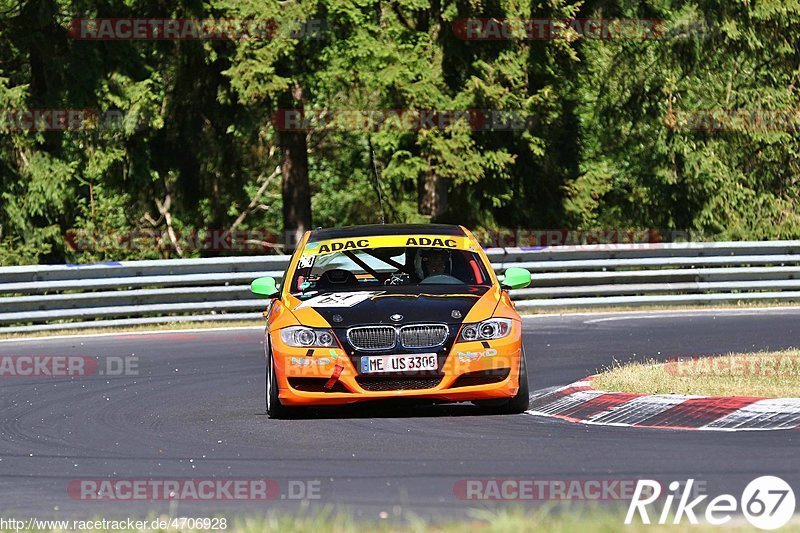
337	371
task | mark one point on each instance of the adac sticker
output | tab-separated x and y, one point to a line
388	241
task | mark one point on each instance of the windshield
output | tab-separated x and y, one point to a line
368	268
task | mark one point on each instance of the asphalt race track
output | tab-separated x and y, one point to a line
196	410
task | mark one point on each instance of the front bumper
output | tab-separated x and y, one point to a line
481	370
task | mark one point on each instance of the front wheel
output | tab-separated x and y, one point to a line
519	402
274	407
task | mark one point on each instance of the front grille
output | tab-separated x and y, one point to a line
481	377
423	336
315	385
372	383
372	337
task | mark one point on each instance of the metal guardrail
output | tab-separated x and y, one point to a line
46	297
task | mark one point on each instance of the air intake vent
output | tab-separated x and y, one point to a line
371	383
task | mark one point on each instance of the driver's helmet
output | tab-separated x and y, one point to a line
426	256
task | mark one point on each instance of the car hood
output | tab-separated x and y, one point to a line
392	306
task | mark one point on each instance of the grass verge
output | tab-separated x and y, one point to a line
763	374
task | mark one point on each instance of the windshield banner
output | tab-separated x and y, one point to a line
388	241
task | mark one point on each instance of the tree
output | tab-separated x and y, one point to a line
650	158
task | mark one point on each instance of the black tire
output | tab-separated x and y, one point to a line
273	403
519	402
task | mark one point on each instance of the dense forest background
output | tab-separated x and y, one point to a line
693	126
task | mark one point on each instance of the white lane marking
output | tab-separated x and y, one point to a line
626	425
567	402
541	393
576	384
689	313
639	409
771	414
775	413
118	333
702	428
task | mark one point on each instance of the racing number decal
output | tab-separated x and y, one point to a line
338	299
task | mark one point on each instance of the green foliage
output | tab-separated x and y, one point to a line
645	166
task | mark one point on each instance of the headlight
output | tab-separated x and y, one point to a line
494	328
302	337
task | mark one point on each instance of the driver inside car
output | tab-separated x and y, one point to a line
434	262
435	266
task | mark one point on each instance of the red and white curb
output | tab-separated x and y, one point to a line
581	402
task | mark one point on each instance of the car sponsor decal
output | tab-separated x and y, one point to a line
466	357
309	361
338	299
387	241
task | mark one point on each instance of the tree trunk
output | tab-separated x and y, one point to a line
432	195
295	188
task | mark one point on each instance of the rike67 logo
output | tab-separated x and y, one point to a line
767	503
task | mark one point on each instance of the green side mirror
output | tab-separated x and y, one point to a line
265	286
516	278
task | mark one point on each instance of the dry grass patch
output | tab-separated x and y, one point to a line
762	374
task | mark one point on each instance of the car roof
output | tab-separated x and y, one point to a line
370	230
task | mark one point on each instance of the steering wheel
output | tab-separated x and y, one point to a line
441	279
336	278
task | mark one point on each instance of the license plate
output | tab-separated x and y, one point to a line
375	364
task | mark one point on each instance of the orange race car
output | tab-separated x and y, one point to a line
390	311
